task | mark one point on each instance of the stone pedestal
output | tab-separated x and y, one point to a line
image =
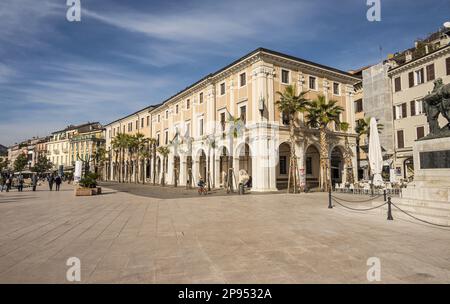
428	196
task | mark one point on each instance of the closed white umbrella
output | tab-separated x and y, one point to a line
375	156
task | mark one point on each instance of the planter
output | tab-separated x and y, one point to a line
88	191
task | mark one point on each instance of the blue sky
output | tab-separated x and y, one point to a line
125	55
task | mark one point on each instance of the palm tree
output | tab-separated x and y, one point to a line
320	114
211	142
139	144
164	151
99	158
347	154
236	127
291	103
152	144
120	144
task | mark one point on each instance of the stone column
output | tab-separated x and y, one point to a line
195	171
170	166
263	164
183	171
217	173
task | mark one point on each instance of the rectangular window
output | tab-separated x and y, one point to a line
418	77
176	109
142	122
358	106
222	121
312	83
159	118
400	139
166	137
419	107
167	114
242	79
200	97
336	90
109	134
447	64
200	127
137	124
413	107
148	121
411	79
243	116
398	84
283	165
157	139
430	72
404	110
285	76
420	132
188	104
222	88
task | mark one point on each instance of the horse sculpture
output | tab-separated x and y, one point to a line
435	103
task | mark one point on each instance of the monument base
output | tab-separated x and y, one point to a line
428	196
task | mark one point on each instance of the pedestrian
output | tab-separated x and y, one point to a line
20	182
50	180
8	183
2	182
58	181
34	181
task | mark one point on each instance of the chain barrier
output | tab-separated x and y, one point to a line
355	209
418	219
359	201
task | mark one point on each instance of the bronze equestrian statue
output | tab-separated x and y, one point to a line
435	103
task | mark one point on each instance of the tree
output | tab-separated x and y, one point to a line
210	141
320	114
139	145
99	158
291	103
3	164
152	144
235	128
347	155
120	143
164	151
42	165
20	163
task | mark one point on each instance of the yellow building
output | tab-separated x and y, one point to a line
247	88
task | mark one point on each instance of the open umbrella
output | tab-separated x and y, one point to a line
375	156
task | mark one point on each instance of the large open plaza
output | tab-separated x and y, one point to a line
121	237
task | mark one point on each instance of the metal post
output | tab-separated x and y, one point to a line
384	194
330	206
389	217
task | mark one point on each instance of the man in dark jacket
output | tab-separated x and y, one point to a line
50	180
58	181
34	181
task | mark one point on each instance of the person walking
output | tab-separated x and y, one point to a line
34	181
50	180
8	183
20	182
58	181
2	182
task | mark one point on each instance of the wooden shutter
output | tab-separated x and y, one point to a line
413	107
393	112
430	72
400	139
447	61
398	84
420	132
411	79
404	110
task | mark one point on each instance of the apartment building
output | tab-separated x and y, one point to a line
32	148
411	81
195	123
73	142
137	122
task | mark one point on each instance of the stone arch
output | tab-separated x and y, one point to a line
337	164
312	166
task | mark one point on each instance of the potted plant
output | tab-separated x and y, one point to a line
88	186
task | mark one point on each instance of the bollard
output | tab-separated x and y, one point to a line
330	206
389	217
384	194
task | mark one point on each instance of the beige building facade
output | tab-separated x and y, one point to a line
197	123
410	83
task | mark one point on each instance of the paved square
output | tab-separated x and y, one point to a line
276	238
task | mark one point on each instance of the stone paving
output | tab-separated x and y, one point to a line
276	238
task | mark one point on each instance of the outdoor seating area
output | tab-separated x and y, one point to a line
364	188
